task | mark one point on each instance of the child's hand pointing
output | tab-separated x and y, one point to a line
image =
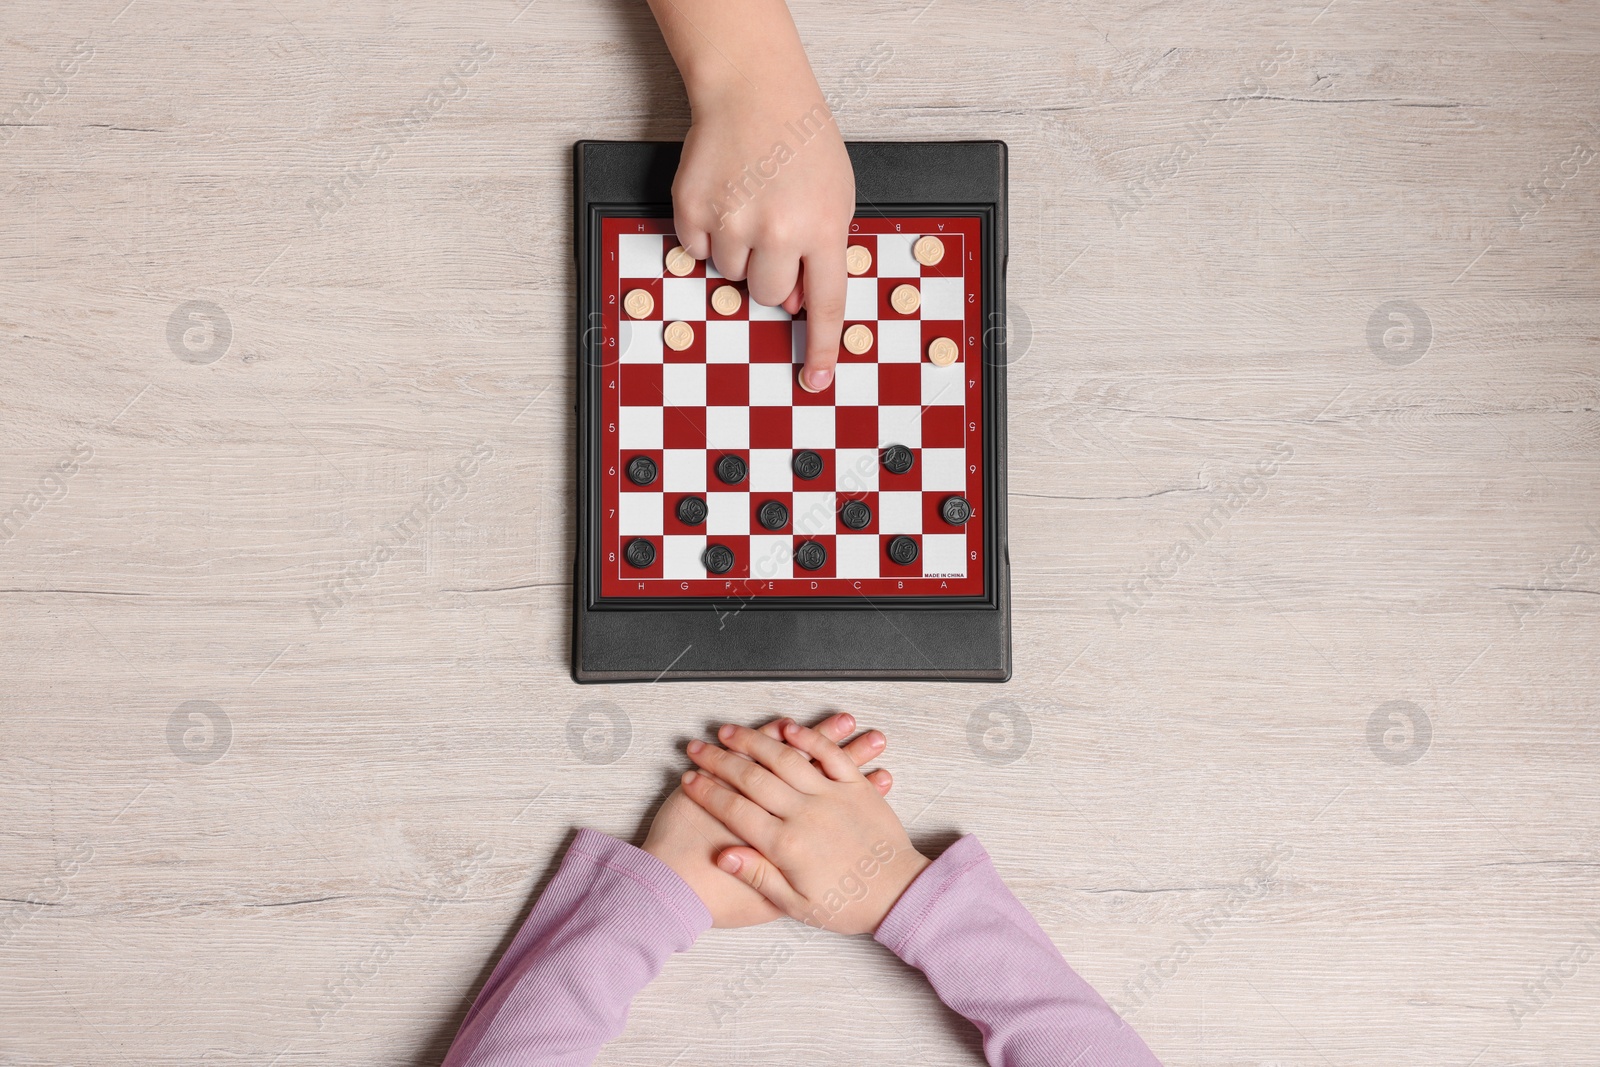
764	189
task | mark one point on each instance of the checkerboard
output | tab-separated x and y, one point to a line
734	391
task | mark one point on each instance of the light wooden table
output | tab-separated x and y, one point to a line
1304	774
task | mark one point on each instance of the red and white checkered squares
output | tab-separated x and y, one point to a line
734	393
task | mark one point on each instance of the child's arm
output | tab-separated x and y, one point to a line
988	959
764	188
828	850
606	925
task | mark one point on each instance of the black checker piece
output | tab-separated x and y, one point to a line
719	559
691	511
641	470
807	465
810	555
773	515
639	553
903	550
732	470
856	515
897	459
956	510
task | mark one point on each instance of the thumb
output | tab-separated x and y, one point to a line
758	872
690	233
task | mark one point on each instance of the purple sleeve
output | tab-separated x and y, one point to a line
986	958
602	929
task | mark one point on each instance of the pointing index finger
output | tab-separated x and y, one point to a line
825	282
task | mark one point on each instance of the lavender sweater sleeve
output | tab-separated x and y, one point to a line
986	958
602	929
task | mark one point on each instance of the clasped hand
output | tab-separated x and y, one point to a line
782	821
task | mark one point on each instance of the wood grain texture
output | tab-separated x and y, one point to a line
1210	202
